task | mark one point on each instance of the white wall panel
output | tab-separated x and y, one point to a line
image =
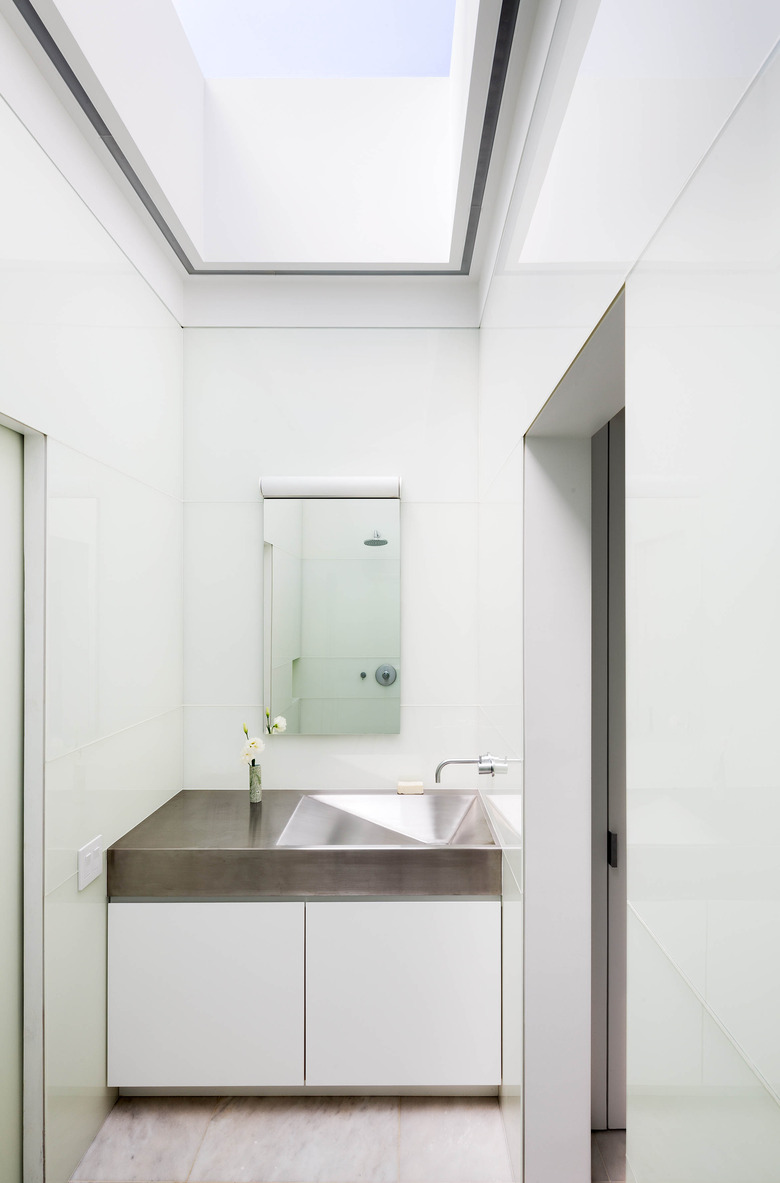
77	1098
107	787
213	737
512	1090
83	164
439	569
223	621
140	55
556	836
320	402
702	590
92	358
696	1109
114	603
332	403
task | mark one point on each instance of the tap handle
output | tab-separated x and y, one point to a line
490	765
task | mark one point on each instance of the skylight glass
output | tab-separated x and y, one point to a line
320	38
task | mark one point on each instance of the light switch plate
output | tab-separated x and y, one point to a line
90	862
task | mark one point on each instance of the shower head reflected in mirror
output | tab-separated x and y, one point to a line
377	540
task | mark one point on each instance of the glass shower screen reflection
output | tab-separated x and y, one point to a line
333	614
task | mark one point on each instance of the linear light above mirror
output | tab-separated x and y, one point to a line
336	487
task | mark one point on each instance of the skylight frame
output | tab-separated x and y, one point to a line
503	45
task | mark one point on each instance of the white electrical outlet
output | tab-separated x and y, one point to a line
90	862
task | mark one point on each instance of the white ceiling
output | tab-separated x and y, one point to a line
657	81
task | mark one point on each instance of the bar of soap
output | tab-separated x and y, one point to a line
410	786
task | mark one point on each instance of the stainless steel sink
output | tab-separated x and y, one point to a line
212	844
385	819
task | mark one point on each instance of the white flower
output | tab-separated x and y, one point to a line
251	750
279	723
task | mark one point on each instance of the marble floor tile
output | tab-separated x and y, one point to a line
598	1171
301	1140
147	1140
612	1146
453	1140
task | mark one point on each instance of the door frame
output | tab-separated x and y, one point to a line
557	739
34	533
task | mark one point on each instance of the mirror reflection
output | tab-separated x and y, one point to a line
333	614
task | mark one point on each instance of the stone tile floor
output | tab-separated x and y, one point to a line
299	1140
608	1156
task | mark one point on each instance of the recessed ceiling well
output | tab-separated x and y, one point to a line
338	39
294	136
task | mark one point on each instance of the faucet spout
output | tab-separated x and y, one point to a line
444	764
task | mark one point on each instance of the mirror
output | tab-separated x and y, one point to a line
332	578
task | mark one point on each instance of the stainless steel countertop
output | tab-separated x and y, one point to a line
211	843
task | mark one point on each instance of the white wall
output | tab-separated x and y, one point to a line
327	402
557	796
659	80
89	356
34	92
703	583
135	54
540	311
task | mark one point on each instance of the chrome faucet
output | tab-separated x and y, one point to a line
487	765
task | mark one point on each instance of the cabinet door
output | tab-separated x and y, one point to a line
403	993
205	994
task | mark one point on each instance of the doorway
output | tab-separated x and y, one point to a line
558	723
608	777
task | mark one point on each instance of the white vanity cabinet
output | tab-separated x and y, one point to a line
205	994
394	994
401	994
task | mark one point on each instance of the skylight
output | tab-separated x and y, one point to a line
300	136
320	38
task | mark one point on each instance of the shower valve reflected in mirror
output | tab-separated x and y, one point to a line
333	614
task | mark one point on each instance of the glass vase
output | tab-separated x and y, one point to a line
255	784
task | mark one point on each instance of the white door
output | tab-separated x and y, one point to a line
205	995
403	993
608	964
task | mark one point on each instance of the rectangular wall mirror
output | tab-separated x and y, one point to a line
332	578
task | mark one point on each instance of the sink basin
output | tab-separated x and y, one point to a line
376	819
212	844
